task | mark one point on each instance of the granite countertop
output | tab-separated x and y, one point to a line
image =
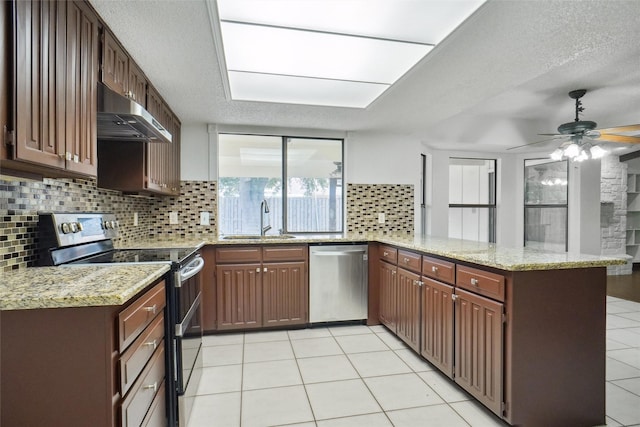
76	286
84	285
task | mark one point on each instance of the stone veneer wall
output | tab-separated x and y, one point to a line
366	201
195	197
613	211
21	200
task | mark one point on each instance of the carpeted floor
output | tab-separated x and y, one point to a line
625	287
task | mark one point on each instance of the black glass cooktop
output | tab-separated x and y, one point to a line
138	255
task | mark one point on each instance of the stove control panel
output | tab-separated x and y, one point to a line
72	228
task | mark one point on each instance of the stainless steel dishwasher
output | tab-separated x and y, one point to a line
338	284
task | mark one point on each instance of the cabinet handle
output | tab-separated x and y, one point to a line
454	297
385	253
434	269
474	281
153	344
406	260
151	309
393	272
257	269
264	269
153	387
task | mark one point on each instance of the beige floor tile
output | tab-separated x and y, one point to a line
446	389
276	373
220	379
265	351
224	408
275	406
361	343
341	399
622	406
300	334
337	331
314	347
378	363
477	415
415	361
401	391
433	416
265	336
220	355
223	339
369	420
326	368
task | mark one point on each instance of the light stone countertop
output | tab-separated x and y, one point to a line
84	285
76	286
485	254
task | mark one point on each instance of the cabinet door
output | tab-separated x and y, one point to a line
239	296
81	96
388	295
436	343
408	314
155	151
40	39
285	294
137	84
115	65
479	348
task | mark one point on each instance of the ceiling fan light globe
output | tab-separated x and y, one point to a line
581	157
572	151
598	152
557	154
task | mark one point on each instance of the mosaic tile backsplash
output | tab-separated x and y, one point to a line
21	200
366	201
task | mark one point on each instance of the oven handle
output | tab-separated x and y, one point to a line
180	327
191	269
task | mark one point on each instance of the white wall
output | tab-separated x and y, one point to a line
198	153
375	158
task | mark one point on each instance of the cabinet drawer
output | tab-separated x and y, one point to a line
389	254
284	253
410	261
137	356
133	319
238	255
481	282
137	403
438	269
157	415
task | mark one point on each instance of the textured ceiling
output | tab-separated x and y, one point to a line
496	82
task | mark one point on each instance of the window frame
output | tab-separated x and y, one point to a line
285	184
543	205
492	207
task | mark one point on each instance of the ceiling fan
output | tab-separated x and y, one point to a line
581	136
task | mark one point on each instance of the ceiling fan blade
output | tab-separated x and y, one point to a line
628	128
617	138
538	142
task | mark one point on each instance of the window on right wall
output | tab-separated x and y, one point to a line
472	199
546	197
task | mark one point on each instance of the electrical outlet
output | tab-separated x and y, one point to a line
381	218
173	218
135	219
204	218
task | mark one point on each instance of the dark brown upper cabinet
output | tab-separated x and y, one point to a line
49	91
120	73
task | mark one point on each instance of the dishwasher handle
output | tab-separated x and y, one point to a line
337	253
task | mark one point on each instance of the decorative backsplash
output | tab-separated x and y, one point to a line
366	201
195	197
21	200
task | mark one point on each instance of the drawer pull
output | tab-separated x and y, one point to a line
385	253
434	269
151	309
406	260
474	281
153	344
153	387
257	269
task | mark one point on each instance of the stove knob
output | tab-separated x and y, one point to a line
107	225
112	224
74	227
79	226
66	229
117	224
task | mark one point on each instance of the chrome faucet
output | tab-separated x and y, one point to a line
264	209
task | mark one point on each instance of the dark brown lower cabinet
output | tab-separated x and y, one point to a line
479	348
388	294
239	296
436	343
408	314
285	293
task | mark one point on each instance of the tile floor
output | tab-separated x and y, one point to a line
364	376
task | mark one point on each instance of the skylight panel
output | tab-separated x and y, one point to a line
358	47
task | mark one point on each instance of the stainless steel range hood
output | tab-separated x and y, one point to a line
122	119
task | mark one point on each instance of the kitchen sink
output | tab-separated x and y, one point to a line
258	237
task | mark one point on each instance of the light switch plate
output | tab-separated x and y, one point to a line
204	218
173	218
381	218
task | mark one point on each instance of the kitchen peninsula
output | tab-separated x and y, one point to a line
522	330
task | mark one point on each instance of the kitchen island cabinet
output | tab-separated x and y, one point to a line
53	124
408	299
101	365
